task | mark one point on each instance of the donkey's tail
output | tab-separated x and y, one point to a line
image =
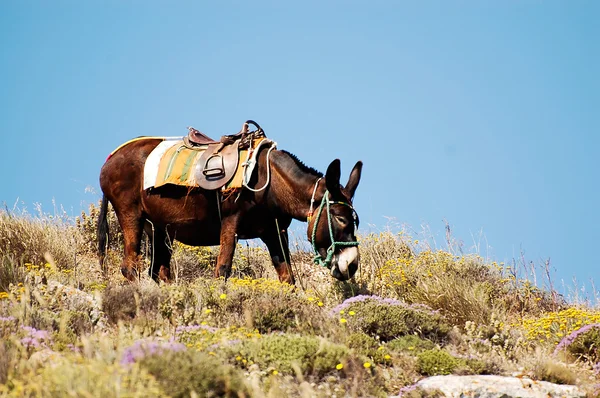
102	232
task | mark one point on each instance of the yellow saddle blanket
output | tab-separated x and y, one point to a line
171	162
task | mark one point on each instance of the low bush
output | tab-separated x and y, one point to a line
366	345
191	373
72	377
130	301
436	362
410	343
311	355
388	319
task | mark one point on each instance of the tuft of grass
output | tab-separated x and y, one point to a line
30	239
11	273
7	358
554	372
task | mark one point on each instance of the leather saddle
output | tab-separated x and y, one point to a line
219	159
197	138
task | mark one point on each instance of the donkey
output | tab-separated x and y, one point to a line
286	189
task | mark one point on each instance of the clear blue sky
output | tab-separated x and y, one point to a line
483	113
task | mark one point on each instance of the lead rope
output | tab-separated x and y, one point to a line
289	260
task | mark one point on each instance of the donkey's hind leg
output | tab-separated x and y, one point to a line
161	254
132	225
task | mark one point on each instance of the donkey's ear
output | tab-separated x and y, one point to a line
332	178
354	178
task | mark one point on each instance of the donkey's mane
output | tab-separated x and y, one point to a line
303	166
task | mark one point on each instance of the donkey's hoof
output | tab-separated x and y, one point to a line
164	274
223	271
129	273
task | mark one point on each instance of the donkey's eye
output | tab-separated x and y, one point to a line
341	220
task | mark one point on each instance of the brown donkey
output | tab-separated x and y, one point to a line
199	217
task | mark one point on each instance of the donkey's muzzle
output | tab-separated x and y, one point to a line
345	263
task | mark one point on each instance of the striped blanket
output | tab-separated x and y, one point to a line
171	162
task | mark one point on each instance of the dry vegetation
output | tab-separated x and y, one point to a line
412	311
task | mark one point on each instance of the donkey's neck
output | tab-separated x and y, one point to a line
293	185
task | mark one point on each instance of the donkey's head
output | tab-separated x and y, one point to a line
332	224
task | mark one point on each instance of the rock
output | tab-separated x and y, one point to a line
62	295
497	387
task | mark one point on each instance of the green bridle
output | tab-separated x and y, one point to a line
325	202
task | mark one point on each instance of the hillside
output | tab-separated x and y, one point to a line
411	312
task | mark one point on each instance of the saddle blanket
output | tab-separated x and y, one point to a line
171	162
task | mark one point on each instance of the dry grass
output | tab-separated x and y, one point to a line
66	329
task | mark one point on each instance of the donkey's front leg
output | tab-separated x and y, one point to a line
229	226
277	243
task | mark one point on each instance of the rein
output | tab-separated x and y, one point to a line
326	203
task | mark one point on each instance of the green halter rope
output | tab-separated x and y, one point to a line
318	259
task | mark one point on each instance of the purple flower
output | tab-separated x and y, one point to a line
596	369
406	389
29	342
74	348
7	318
384	301
568	340
35	338
143	348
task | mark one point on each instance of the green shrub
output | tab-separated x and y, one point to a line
312	355
388	319
286	311
182	373
436	362
366	345
179	303
410	343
